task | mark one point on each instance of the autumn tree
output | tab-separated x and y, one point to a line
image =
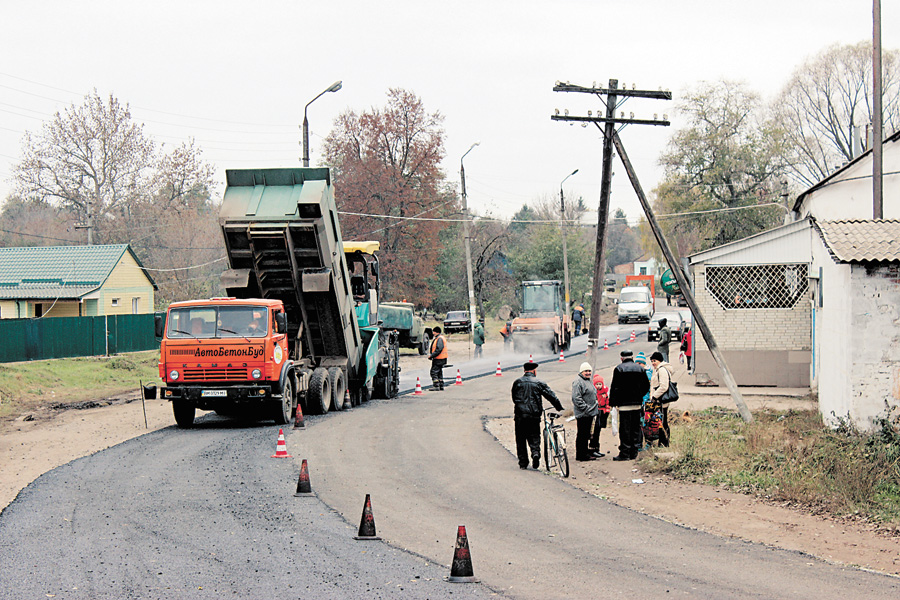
35	222
729	156
827	104
386	163
622	241
92	159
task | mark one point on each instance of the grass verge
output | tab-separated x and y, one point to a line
789	456
28	386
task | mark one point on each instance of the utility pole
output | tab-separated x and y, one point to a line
89	225
612	94
562	224
465	207
877	133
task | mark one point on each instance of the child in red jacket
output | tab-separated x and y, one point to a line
603	415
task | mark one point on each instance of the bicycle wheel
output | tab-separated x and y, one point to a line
561	458
546	449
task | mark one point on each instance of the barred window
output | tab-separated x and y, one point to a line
757	286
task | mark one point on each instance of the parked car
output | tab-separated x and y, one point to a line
457	321
673	321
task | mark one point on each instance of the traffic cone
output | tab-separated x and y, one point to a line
281	447
632	336
461	569
562	357
367	523
303	487
418	391
618	342
347	403
605	345
530	358
298	418
499	373
458	378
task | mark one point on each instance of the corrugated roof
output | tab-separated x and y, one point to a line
861	240
57	271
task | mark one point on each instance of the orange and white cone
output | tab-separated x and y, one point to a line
418	391
303	487
618	341
458	378
298	418
281	447
632	336
605	345
499	373
562	357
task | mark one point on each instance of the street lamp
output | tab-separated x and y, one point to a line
465	207
333	88
562	224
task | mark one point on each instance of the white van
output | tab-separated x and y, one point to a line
635	304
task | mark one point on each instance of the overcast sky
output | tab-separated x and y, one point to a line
236	75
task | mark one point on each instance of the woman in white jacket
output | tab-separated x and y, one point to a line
659	383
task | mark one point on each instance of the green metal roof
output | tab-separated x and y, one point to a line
58	271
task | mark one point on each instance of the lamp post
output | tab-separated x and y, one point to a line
562	224
465	207
332	88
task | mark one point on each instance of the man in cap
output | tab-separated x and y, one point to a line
626	393
438	356
528	393
584	398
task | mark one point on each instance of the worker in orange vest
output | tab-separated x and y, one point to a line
438	356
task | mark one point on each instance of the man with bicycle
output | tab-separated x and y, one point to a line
528	393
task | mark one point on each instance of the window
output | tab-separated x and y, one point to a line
757	286
115	301
135	305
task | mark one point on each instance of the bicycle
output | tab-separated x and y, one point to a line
555	443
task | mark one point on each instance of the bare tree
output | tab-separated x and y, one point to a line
91	159
828	102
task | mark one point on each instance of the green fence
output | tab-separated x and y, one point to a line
40	339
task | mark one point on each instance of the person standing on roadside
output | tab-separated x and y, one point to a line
478	338
687	347
602	415
626	392
438	356
659	384
528	393
665	338
584	399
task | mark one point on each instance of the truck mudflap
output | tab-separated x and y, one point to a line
208	397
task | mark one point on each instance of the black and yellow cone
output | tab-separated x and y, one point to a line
303	487
461	569
367	523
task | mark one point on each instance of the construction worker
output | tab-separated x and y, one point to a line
438	356
578	318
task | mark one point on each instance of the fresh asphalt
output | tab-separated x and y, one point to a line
206	513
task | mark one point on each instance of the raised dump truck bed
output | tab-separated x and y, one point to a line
284	242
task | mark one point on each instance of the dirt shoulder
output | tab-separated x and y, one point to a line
29	448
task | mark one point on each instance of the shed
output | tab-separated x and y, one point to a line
73	281
754	296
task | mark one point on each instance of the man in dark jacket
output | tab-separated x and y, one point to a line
527	395
665	338
626	392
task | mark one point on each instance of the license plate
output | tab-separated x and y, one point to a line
214	393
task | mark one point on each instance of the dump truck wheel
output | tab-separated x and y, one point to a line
318	397
338	388
423	346
283	409
184	413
